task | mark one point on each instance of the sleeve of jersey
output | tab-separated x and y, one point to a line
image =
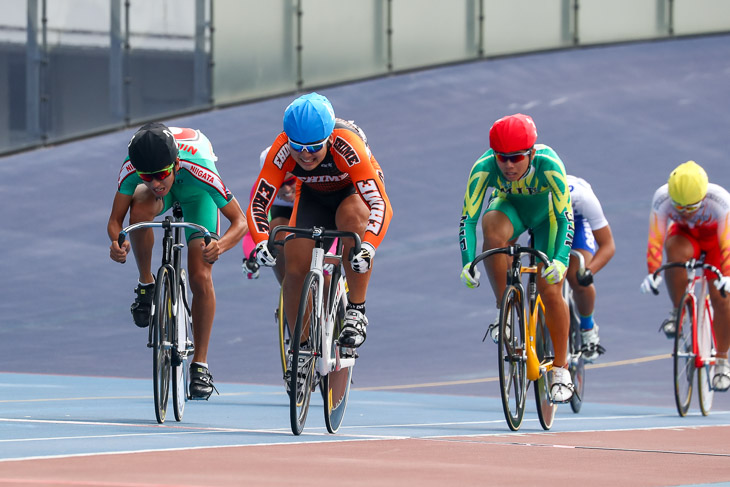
561	209
265	189
657	230
723	237
128	179
593	211
476	191
354	157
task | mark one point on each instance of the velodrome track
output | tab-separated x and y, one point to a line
76	400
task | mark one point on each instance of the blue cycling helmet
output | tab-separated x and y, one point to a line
310	118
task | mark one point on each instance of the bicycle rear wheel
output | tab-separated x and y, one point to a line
512	357
544	346
301	377
182	350
577	364
336	384
705	348
283	331
161	356
684	357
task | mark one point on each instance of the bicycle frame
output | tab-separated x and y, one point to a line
325	311
532	305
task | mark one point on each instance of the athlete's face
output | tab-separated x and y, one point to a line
160	187
513	166
309	160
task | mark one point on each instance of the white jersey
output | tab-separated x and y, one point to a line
585	203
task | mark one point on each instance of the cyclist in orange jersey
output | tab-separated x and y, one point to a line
689	215
339	185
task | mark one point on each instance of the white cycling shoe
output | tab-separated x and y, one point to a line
562	387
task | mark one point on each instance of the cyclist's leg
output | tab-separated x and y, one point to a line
500	225
203	211
721	322
352	215
144	207
679	247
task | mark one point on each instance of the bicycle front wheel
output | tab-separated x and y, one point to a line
512	357
301	376
684	357
544	346
161	356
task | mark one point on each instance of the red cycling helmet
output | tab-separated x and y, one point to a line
513	133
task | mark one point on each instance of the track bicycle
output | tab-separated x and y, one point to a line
170	329
525	348
279	317
319	359
694	341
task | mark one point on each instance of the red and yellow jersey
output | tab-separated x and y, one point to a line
712	220
349	162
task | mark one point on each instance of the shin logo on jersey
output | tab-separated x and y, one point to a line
371	194
462	233
261	199
343	148
281	155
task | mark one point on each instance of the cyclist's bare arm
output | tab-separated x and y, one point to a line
606	249
120	206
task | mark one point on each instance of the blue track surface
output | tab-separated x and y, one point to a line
621	117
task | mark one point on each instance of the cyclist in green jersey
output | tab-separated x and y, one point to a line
166	165
530	192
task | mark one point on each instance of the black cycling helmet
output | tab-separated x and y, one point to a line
152	148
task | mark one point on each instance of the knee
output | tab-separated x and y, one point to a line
201	283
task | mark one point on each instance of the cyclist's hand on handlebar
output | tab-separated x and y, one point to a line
264	255
363	260
210	251
555	272
651	285
250	269
117	253
585	278
723	284
470	280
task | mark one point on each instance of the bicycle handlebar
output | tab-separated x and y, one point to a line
689	265
516	250
163	224
314	233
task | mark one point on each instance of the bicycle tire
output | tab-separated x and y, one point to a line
283	330
161	361
577	363
705	348
181	331
683	355
512	357
546	408
306	317
336	385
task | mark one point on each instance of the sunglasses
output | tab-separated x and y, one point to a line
160	175
311	148
513	156
687	208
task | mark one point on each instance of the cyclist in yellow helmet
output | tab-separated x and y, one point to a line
689	215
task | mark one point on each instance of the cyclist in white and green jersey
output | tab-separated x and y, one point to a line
166	165
530	192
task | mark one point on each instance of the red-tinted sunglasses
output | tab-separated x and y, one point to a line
159	175
512	156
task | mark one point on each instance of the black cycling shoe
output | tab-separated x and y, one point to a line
201	382
142	304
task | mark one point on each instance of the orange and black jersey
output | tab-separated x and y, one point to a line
349	162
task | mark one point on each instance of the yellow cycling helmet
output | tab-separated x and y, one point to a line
688	183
